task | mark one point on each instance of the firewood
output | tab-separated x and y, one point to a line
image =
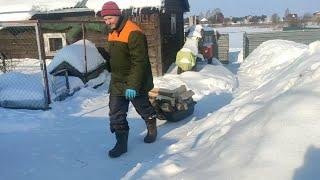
186	95
166	107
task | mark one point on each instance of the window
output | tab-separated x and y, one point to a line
53	42
173	24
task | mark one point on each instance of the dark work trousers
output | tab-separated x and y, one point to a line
118	106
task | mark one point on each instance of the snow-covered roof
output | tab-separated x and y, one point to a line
74	55
204	20
18	10
96	5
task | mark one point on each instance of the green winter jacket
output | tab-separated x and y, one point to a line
129	60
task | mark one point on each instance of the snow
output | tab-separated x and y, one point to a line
195	31
17	88
191	45
16	10
23	87
261	122
71	54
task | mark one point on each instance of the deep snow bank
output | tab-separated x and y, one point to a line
267	132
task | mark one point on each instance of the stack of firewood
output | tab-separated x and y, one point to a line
170	101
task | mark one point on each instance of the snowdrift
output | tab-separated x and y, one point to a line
20	90
269	131
211	78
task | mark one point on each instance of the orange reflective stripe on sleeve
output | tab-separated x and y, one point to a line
123	36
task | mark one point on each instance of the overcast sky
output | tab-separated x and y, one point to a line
254	7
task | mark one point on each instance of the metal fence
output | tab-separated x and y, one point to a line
26	48
253	40
24	82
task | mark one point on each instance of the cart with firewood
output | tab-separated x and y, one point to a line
172	105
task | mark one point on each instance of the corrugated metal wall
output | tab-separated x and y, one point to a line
253	40
223	48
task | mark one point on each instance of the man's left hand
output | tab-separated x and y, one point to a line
130	94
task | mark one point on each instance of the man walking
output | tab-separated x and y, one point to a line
131	77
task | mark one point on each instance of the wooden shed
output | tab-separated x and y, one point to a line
163	25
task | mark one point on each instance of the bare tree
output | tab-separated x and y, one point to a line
201	15
307	17
286	13
216	11
275	18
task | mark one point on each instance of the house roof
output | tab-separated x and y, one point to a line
14	10
24	10
128	4
204	20
316	13
187	6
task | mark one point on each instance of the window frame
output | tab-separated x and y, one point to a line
47	36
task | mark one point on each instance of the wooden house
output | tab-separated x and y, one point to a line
316	15
291	17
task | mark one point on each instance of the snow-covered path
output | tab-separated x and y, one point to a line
71	139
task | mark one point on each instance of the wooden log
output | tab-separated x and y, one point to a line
153	94
169	99
186	95
182	106
166	107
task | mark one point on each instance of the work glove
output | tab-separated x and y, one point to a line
130	94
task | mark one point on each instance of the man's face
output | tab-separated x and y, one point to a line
111	21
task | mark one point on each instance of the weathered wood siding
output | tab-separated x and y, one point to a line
253	40
150	24
19	45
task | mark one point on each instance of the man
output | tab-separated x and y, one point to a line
131	77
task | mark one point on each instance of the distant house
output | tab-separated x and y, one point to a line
161	20
316	14
204	21
291	17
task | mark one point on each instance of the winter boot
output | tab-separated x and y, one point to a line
152	130
121	145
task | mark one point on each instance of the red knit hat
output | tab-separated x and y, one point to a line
110	8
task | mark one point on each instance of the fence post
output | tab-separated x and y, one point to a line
2	56
41	51
85	51
245	45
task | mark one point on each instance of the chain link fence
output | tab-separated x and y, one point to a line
34	69
23	82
